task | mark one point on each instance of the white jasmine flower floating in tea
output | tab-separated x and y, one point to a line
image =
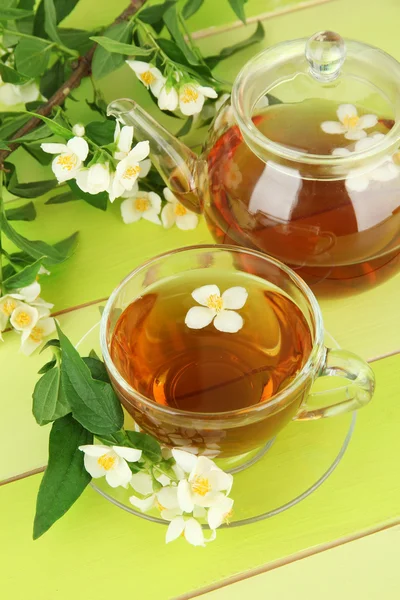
174	213
350	124
111	462
217	308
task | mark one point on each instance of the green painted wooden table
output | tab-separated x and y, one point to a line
98	551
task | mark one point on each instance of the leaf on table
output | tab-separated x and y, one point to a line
94	403
32	56
145	442
97	200
49	401
255	38
65	477
32	189
105	62
120	48
10	75
27	212
191	7
62	198
22	278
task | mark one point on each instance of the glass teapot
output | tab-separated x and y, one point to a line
302	162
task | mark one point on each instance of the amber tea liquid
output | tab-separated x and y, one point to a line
338	240
209	371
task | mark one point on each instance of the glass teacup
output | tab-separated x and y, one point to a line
214	349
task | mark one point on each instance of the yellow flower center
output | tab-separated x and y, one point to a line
131	172
215	302
8	306
147	77
189	94
106	461
67	161
160	506
350	122
37	334
228	516
141	204
23	319
201	485
180	210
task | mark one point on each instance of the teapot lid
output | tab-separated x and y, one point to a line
353	75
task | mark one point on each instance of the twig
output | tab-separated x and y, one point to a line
82	70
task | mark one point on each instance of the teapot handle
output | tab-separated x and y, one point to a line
356	394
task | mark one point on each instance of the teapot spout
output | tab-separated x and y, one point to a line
174	161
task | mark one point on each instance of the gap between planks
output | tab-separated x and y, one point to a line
282	562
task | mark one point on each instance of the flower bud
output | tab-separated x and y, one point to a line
78	130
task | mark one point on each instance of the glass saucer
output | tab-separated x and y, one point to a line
281	474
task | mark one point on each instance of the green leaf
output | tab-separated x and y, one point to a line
32	56
47	366
153	15
3	146
97	200
101	132
41	133
62	198
65	477
12	14
149	446
255	38
119	48
63	8
9	75
171	21
94	403
93	354
185	128
28	190
27	212
176	55
191	7
55	127
23	278
11	125
44	158
49	402
77	39
103	61
26	25
97	368
54	343
38	249
238	8
50	21
52	79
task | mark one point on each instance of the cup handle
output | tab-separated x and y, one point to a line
356	394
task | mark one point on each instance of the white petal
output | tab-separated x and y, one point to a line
169	196
168	497
194	533
202	294
116	189
168	100
235	297
54	148
139	66
99	178
47	325
145	167
202	468
142	483
9	94
29	345
120	474
341	152
216	514
199	512
78	146
92	466
220	480
192	107
62	174
367	121
157	85
357	184
28	92
170	513
117	130
179	472
346	110
168	216
152	216
185	460
129	213
365	144
82	177
30	292
143	504
131	193
228	321
333	127
139	152
155	201
188	221
185	501
355	134
125	139
209	92
198	317
95	449
129	454
24	317
175	529
386	172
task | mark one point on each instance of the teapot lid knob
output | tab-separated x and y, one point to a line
325	53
